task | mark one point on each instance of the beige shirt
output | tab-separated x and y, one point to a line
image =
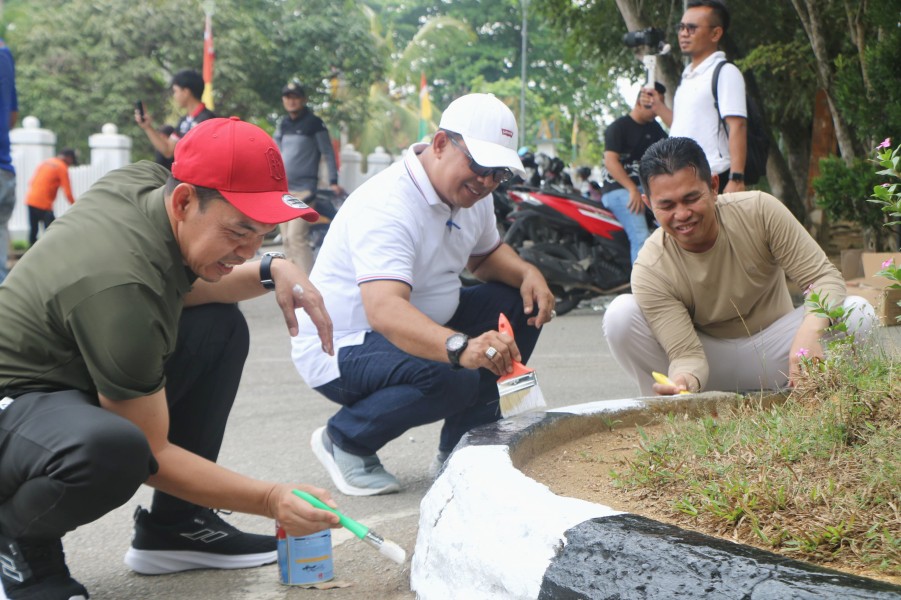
735	289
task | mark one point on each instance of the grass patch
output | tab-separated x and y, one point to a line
817	478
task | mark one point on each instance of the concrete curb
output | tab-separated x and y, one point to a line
488	531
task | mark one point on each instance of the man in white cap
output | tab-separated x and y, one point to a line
412	347
120	356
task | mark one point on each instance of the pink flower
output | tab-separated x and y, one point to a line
885	143
808	291
888	263
803	353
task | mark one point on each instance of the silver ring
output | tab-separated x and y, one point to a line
553	313
491	352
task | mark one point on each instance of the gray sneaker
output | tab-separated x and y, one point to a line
353	475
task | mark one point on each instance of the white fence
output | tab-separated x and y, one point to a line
31	145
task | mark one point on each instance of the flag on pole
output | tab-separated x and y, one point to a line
425	107
209	57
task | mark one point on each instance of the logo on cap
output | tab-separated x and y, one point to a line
294	202
276	167
506	132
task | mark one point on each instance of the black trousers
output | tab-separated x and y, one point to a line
37	216
64	461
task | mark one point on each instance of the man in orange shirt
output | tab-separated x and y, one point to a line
50	175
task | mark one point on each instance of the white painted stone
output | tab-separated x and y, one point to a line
488	531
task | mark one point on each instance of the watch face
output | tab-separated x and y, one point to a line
456	341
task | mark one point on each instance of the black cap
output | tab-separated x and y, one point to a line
294	89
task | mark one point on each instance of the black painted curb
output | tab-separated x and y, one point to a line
628	556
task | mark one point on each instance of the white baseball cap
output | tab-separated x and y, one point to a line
488	127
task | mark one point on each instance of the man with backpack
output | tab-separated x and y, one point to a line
717	122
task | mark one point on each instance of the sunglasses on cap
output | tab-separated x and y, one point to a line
499	174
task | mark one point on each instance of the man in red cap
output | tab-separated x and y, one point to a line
107	383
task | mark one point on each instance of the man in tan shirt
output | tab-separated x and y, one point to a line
711	306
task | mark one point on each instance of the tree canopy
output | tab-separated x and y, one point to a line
82	63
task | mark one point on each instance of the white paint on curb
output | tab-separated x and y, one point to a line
591	408
488	531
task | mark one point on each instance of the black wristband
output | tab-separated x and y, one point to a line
266	269
736	176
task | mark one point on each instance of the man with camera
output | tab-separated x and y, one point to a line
693	114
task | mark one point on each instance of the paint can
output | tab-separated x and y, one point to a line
305	559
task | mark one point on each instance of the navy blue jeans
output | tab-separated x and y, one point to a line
383	391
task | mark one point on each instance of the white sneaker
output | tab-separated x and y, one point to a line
353	475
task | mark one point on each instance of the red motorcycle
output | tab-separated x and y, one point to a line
579	247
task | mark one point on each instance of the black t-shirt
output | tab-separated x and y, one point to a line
189	121
629	139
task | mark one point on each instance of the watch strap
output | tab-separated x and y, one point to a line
266	269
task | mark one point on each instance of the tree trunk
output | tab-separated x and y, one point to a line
810	15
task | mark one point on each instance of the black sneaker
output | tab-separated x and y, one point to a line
36	570
203	542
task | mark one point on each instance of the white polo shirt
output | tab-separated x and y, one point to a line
693	113
393	227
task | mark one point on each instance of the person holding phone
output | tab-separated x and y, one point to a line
187	90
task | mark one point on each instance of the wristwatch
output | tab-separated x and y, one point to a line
455	346
736	177
266	269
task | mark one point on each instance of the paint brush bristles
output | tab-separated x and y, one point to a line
518	391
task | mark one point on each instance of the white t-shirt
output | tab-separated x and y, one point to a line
393	227
693	113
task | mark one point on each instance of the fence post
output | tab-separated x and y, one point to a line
30	146
350	174
109	148
379	160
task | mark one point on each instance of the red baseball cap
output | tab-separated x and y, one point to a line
241	162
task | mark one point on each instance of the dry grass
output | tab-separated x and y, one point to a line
817	478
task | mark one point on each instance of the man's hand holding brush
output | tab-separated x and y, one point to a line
299	517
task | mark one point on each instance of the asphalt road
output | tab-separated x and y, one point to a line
268	437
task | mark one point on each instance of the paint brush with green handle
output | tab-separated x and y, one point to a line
385	547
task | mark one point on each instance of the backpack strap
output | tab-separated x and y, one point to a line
714	82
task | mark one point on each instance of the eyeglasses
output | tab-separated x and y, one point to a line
691	28
499	174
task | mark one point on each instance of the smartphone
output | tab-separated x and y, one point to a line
139	106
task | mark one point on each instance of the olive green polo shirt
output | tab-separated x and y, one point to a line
95	304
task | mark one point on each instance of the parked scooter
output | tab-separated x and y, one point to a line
326	203
579	247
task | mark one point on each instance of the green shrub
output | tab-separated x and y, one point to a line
843	191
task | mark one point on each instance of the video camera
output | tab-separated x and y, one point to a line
650	42
651	37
